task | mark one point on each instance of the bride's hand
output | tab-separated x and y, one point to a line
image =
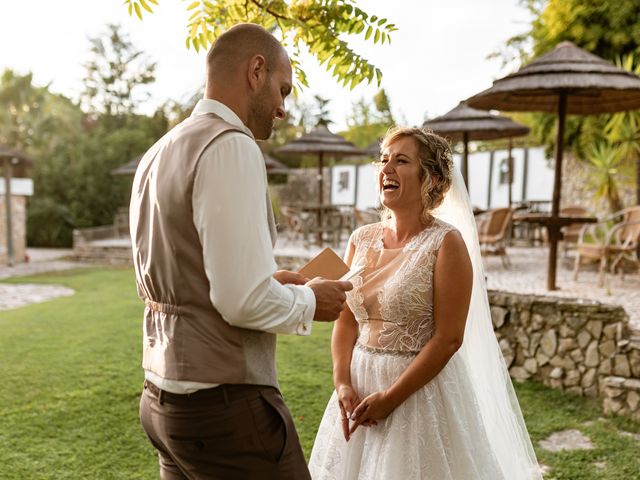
376	406
347	400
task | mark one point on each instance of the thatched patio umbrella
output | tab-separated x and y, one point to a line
567	80
273	166
464	124
373	148
128	168
320	140
17	163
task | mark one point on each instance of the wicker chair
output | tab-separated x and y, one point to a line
493	232
610	245
571	232
297	223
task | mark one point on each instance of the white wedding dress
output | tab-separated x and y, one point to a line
438	432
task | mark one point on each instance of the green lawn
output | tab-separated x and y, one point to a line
70	376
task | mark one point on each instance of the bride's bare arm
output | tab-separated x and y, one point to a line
343	338
453	278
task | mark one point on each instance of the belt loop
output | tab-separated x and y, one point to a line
160	397
224	392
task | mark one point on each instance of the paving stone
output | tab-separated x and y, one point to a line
566	440
20	295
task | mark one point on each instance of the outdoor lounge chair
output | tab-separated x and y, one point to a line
493	232
610	245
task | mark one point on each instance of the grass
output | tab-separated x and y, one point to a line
71	378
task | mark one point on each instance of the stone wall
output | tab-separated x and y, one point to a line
109	244
579	346
18	228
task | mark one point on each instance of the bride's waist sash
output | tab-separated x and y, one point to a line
385	351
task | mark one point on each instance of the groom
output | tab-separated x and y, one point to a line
202	231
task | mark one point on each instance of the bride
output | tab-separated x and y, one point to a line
413	400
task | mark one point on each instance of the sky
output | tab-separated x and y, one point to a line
436	58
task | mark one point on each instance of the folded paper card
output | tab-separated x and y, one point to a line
326	264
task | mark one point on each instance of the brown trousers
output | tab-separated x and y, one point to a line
231	432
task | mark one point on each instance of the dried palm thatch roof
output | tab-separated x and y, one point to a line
320	140
592	85
129	168
20	161
477	124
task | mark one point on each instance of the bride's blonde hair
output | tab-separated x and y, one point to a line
436	164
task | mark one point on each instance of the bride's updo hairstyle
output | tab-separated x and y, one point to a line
436	166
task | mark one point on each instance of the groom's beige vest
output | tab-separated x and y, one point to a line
185	338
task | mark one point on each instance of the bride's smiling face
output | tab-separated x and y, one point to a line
399	175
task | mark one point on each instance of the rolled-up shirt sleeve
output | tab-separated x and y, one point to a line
230	215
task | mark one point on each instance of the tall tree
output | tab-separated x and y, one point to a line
607	28
368	122
318	26
116	74
45	126
321	112
623	128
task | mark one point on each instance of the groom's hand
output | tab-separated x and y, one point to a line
330	297
287	277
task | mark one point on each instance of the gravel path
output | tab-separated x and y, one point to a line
528	274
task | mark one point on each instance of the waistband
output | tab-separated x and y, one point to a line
222	394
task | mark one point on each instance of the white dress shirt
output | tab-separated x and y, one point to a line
230	215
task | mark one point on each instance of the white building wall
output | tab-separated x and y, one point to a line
539	180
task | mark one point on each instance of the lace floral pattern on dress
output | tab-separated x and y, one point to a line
406	300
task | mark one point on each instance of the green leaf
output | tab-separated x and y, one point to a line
188	42
370	75
382	21
369	32
194	30
154	2
138	10
193	5
130	8
373	18
146	6
377	37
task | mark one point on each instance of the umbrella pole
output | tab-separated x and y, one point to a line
465	159
553	227
320	233
510	166
7	204
638	181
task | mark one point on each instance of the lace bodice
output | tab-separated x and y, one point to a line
392	299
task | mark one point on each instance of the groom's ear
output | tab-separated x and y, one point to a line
256	72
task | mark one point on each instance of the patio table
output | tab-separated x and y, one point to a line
553	225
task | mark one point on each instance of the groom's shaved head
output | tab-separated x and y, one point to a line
238	44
